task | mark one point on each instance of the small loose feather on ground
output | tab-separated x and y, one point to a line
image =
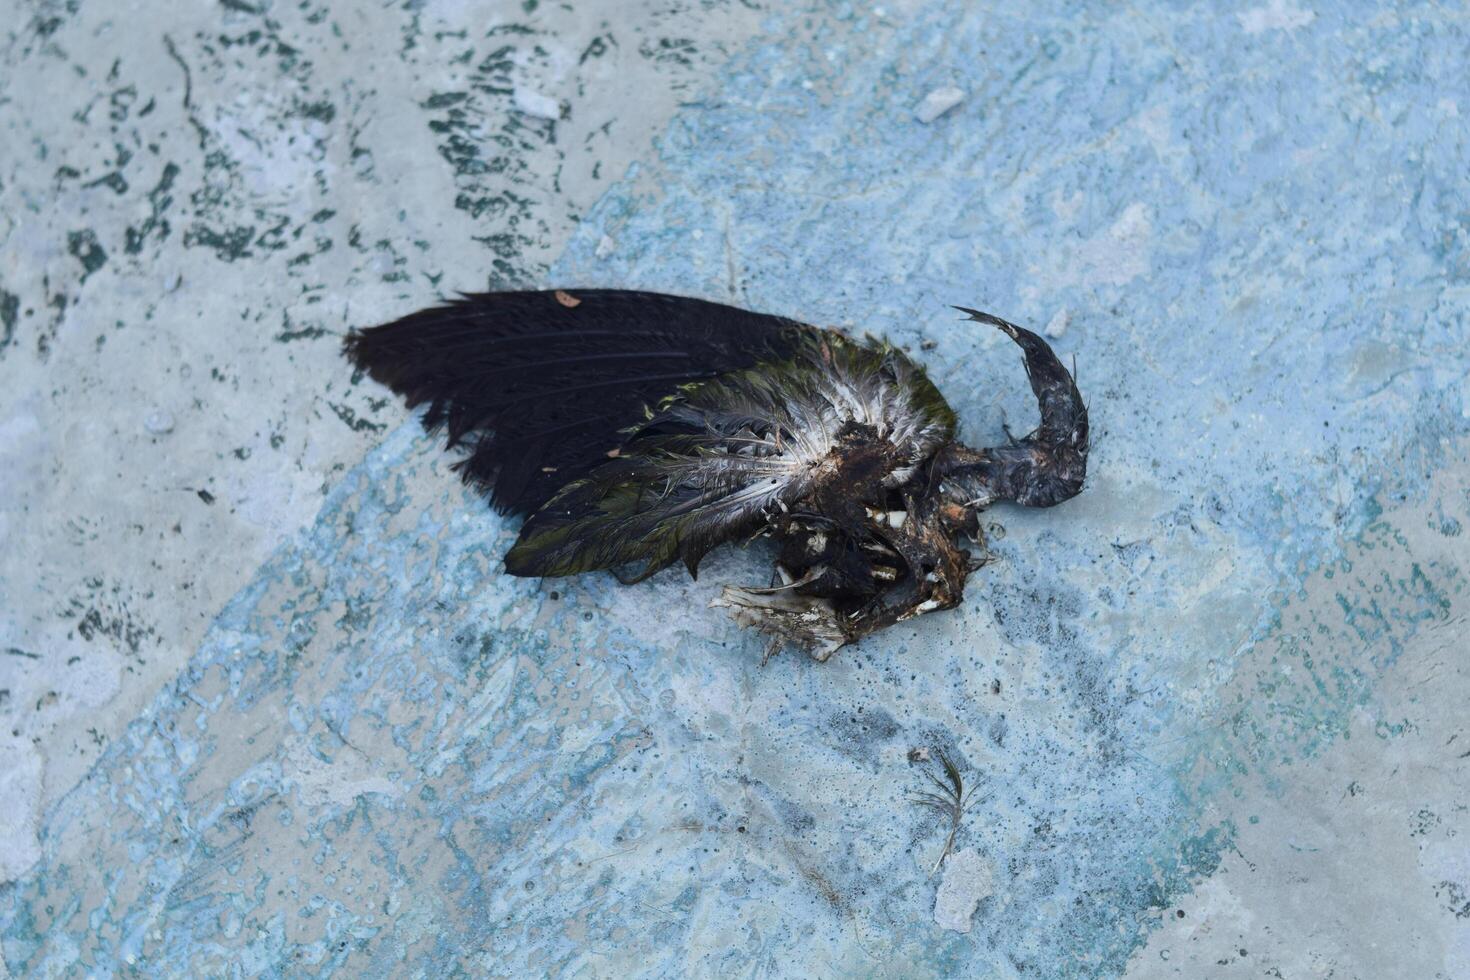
638	430
951	802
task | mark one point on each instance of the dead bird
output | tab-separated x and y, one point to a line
634	430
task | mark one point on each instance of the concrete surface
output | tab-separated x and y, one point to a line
1215	703
195	202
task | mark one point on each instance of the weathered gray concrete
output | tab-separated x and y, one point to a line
1352	859
196	200
1216	702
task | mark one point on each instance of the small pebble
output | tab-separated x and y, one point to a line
533	103
1059	323
159	422
938	102
172	282
605	247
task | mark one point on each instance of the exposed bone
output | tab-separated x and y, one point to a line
813	573
806	621
928	605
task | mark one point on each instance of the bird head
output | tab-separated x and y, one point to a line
1045	467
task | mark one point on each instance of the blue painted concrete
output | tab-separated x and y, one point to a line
1255	227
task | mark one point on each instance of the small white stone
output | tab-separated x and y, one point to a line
1059	323
938	102
968	878
172	282
605	247
159	422
533	103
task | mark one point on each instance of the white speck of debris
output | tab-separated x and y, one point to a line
533	103
938	102
605	247
1277	15
1059	323
172	282
968	878
159	422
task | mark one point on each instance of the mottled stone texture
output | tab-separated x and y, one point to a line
1215	705
196	200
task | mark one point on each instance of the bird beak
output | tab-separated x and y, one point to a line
1047	466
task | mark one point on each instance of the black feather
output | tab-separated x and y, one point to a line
540	386
718	458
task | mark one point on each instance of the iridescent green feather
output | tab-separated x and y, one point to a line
716	458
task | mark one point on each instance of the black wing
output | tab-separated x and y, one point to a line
721	457
540	386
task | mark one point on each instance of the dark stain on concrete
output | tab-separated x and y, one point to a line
350	419
85	248
159	199
9	315
228	244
